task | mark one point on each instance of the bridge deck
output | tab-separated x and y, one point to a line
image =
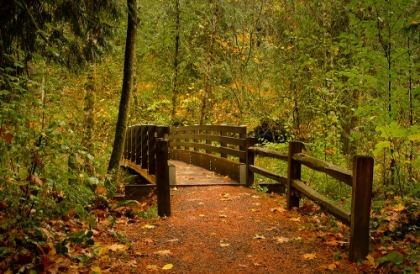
187	174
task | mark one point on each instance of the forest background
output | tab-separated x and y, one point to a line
341	76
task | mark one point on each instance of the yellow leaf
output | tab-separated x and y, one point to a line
281	240
167	267
259	237
309	256
103	251
278	209
118	247
297	219
148	226
163	252
399	207
202	215
96	269
224	244
371	261
200	26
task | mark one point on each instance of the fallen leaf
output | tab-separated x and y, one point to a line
118	247
399	207
309	256
152	267
167	266
295	219
224	244
148	226
163	252
255	196
201	215
278	209
259	237
370	260
174	189
222	216
281	240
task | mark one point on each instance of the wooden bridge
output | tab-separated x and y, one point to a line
154	151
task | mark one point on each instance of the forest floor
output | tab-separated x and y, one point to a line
213	229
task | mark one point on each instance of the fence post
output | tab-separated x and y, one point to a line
223	144
360	207
162	178
137	144
249	161
151	141
293	173
243	135
196	140
144	149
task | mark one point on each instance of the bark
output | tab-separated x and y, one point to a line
129	61
176	63
89	128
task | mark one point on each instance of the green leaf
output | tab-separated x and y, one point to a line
393	257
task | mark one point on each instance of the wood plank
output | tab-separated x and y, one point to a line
334	171
210	148
224	128
360	207
266	173
335	209
293	173
162	178
264	152
210	162
142	172
213	138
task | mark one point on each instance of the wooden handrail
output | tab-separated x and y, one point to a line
360	180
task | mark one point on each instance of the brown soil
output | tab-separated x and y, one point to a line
227	229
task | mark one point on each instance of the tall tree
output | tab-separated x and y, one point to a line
129	70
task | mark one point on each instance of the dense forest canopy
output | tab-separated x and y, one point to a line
341	76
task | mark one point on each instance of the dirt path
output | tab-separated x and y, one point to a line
226	229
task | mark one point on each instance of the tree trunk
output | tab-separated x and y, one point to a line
127	86
89	127
176	62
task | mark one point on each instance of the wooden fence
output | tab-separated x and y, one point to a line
146	152
213	147
360	179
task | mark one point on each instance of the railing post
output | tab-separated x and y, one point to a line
161	131
208	142
293	173
243	135
137	144
162	178
144	147
223	144
249	161
360	207
151	140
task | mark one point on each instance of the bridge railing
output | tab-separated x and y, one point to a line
218	148
360	179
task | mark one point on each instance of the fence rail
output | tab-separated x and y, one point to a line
360	179
213	146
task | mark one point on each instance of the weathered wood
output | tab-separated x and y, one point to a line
162	178
293	173
144	147
223	144
243	147
333	208
210	148
208	128
210	162
360	207
271	175
264	152
211	138
249	162
142	172
334	171
137	144
161	131
151	142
